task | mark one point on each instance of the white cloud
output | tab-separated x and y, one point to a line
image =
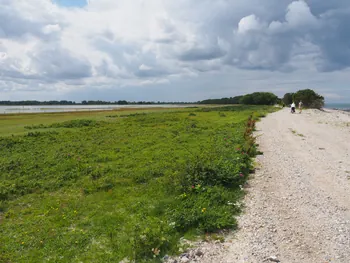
120	44
48	29
299	15
249	23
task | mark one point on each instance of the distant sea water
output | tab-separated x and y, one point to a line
338	106
71	108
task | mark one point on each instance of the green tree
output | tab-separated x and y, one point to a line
122	102
288	98
309	98
259	98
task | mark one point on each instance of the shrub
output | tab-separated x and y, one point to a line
67	124
151	238
206	209
75	124
309	98
288	98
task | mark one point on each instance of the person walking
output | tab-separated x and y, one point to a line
300	106
292	107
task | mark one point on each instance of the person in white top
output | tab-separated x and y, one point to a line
300	106
292	107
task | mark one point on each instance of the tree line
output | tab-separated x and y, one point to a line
256	98
231	100
309	98
35	102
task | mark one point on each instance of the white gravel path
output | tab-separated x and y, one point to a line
298	201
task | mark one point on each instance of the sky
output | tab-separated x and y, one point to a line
166	50
71	3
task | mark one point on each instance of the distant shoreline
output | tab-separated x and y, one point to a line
339	109
338	106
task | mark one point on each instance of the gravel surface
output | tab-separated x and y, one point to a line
298	201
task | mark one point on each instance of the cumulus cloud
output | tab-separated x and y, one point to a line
260	44
131	43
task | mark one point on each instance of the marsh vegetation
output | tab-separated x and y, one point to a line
100	187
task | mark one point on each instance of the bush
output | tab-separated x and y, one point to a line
317	104
75	124
205	209
288	98
67	124
309	98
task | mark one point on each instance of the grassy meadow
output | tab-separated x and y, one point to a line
105	186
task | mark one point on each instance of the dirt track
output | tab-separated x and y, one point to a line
298	202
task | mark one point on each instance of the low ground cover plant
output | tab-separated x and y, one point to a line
114	188
66	124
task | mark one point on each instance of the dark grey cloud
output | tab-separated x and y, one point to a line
149	73
56	63
270	44
319	7
333	39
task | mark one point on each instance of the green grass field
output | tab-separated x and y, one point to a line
104	186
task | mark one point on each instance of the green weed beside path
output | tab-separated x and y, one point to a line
103	189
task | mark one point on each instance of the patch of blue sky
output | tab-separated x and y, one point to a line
71	3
